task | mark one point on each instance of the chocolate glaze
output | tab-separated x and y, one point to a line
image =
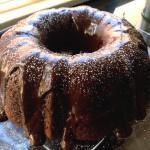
73	74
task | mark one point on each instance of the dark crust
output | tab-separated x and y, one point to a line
13	96
142	70
3	116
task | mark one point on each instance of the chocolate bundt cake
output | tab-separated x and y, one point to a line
73	74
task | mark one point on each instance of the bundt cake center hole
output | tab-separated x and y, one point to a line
71	42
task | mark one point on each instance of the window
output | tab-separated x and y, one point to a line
8	5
